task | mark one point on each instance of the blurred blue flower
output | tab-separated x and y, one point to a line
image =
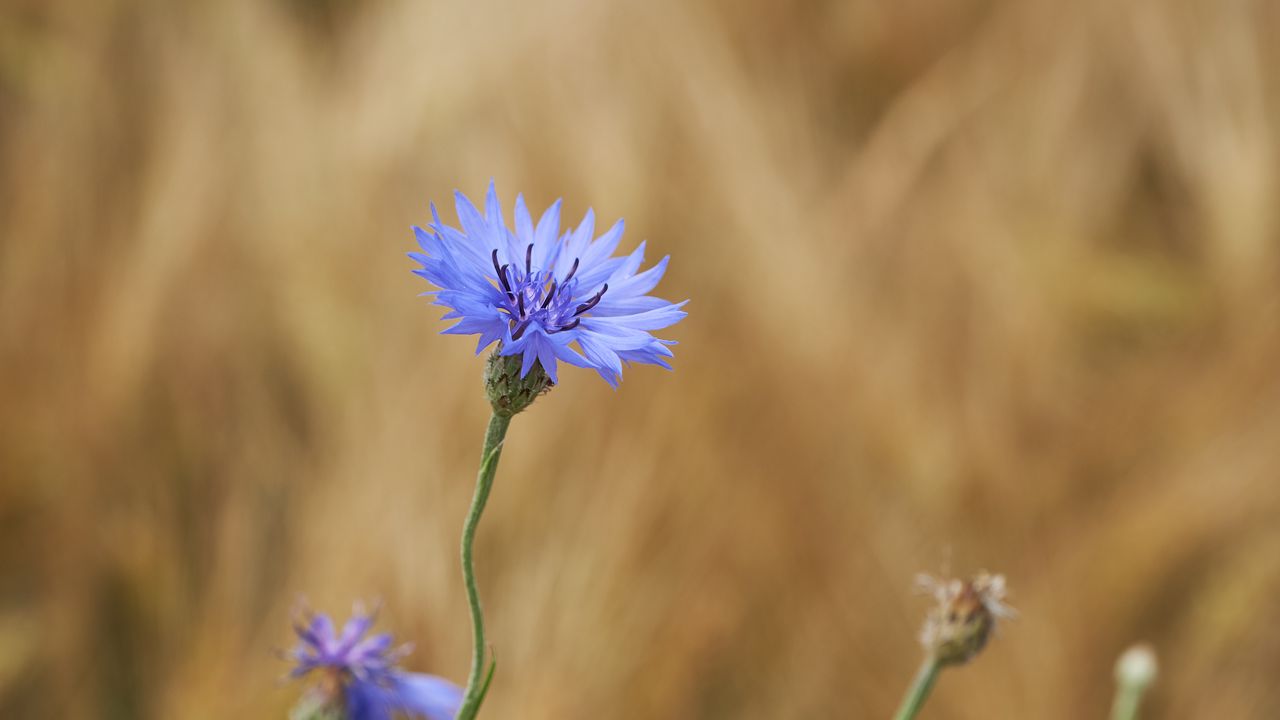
360	672
540	294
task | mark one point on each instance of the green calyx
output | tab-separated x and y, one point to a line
508	392
954	639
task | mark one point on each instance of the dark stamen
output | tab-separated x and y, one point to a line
506	280
562	328
520	300
595	300
502	273
528	260
572	270
524	325
551	293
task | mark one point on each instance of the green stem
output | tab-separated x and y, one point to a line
1126	703
919	691
476	685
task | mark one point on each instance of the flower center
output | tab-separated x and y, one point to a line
539	297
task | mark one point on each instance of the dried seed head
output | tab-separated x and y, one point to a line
959	626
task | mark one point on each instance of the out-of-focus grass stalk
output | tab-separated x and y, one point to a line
919	690
1135	671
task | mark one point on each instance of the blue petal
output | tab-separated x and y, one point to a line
604	246
470	325
636	285
503	238
650	357
619	338
629	266
493	208
524	223
544	238
353	630
546	356
319	632
576	244
471	253
413	694
367	701
489	337
629	306
602	357
566	353
427	696
472	222
526	364
655	319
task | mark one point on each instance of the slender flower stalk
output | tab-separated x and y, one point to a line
955	631
477	685
920	688
542	298
508	393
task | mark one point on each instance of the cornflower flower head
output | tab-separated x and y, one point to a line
360	678
542	296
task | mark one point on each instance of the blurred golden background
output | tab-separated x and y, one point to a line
974	284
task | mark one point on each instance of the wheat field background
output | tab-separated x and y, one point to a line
975	284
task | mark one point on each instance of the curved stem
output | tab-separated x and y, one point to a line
476	684
919	691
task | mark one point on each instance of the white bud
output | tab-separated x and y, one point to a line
1136	667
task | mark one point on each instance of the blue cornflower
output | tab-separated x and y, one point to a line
542	295
360	673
